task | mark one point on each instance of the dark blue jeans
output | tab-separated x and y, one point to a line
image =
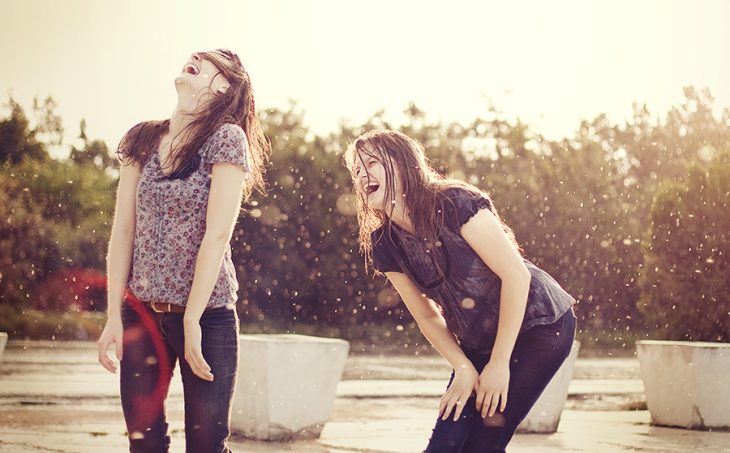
153	343
537	356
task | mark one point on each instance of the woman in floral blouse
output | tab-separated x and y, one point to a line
503	324
172	285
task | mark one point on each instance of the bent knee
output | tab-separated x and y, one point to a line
495	421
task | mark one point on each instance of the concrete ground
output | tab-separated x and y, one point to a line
54	397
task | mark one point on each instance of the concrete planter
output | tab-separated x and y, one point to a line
544	416
3	342
687	384
286	385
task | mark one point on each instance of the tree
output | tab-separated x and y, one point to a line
684	277
17	141
93	152
57	214
580	208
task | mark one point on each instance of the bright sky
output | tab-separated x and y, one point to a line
550	63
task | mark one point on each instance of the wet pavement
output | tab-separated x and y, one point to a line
54	397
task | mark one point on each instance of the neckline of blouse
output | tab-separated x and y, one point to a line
158	161
399	229
404	258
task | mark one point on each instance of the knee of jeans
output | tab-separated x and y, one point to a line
495	421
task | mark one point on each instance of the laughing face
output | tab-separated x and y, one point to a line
200	77
377	185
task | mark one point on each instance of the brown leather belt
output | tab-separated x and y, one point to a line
164	307
157	307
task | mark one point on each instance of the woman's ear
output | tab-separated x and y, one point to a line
223	89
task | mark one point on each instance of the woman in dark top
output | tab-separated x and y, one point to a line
172	285
503	324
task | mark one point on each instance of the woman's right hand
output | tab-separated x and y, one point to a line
466	379
112	333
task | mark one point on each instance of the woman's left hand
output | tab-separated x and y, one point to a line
193	351
492	388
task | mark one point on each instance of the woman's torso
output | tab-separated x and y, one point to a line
170	225
468	291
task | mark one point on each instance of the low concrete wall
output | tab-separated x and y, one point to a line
286	385
544	416
687	384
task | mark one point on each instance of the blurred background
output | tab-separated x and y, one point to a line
600	129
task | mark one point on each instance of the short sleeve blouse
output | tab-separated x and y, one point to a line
171	222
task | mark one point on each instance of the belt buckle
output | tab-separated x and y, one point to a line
153	305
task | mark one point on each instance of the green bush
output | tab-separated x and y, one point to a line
50	325
684	280
579	207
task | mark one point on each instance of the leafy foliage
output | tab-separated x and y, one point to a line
684	279
612	212
56	213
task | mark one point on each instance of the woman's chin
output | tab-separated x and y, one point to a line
183	82
180	81
376	202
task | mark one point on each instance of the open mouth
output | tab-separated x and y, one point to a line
371	188
191	69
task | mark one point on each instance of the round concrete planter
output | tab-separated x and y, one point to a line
544	416
687	383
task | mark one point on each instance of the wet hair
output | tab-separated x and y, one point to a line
235	106
423	188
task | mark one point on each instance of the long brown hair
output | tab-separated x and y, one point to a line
235	106
423	188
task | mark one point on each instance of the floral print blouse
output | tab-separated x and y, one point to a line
170	224
458	280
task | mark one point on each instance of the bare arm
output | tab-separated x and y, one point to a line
119	260
484	233
119	256
433	326
429	319
224	204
